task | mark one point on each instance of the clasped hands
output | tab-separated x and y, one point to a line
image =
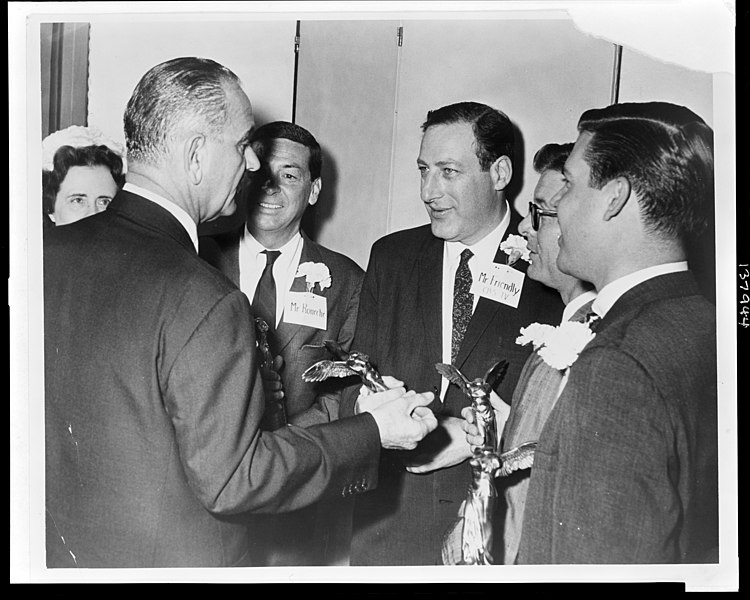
458	437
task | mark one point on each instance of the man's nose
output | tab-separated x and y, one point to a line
430	188
252	163
269	185
524	227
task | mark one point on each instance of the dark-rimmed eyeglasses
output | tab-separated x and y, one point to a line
537	214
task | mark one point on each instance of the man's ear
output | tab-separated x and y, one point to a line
195	157
315	191
501	172
618	193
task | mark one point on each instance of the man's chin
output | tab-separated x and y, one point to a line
441	230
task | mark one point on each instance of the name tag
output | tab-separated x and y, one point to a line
500	283
304	308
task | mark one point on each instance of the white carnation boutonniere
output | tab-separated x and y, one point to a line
516	248
314	273
77	136
559	346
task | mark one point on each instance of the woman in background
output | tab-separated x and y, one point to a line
81	173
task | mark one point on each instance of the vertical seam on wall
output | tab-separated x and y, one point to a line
391	175
297	42
614	97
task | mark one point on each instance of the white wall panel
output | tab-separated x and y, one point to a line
644	79
346	98
261	53
541	73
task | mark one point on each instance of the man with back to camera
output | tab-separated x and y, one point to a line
152	394
276	197
626	470
416	282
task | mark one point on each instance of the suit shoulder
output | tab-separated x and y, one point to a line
404	242
668	320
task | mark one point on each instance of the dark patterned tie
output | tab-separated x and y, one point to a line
463	302
264	301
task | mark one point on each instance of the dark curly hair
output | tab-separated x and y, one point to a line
83	156
493	130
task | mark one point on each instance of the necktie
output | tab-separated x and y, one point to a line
264	301
463	302
592	320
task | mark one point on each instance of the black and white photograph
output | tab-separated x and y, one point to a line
374	292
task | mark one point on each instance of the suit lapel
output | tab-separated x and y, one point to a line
285	332
430	294
484	314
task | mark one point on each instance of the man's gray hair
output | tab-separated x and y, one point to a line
180	94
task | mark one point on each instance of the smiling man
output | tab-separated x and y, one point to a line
417	309
276	197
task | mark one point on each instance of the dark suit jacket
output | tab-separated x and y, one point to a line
306	403
399	326
626	467
307	536
153	402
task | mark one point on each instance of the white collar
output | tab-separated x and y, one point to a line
576	303
177	212
256	247
612	292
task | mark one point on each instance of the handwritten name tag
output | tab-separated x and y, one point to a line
303	308
500	283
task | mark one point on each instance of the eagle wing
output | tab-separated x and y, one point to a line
521	457
496	373
455	376
327	368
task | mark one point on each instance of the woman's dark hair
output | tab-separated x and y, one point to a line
69	156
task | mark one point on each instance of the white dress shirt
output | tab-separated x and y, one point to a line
252	261
178	212
483	253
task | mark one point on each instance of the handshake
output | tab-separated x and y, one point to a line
402	417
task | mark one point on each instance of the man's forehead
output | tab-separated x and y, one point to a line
550	182
448	141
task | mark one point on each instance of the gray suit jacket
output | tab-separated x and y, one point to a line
626	467
153	403
306	403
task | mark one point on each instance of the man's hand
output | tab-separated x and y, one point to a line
272	385
368	399
402	418
456	451
473	437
